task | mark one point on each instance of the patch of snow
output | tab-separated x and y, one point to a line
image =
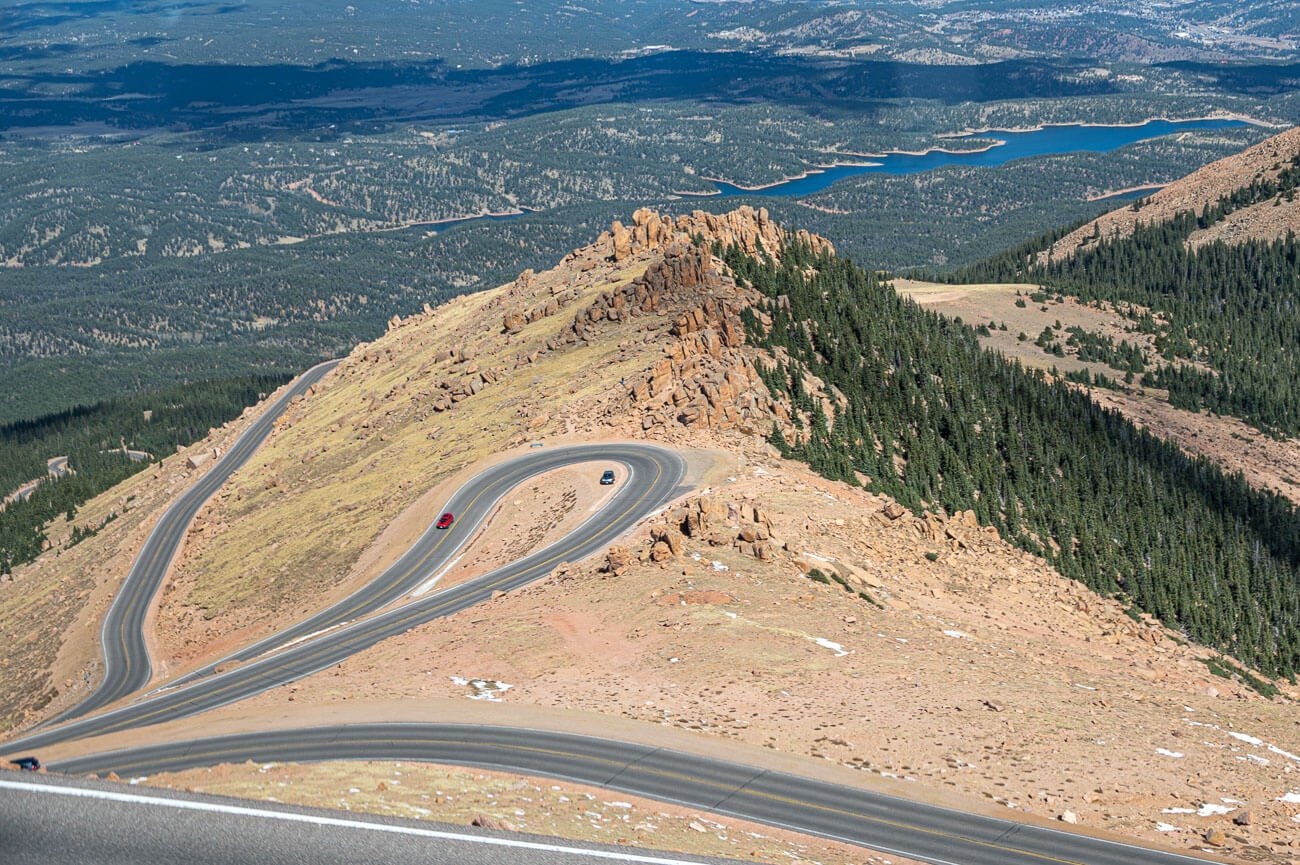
729	614
139	780
427	586
1255	758
1084	687
830	644
719	566
1166	827
1293	798
900	639
1210	809
1164	752
1249	740
484	689
1276	750
956	635
619	804
828	560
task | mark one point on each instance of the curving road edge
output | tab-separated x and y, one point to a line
126	657
655	476
877	821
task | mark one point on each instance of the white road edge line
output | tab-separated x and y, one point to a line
290	817
428	585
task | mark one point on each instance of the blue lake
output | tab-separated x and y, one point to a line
1016	145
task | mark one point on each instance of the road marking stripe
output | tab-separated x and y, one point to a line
730	788
417	617
335	822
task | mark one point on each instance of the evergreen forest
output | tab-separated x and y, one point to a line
1229	312
96	440
936	421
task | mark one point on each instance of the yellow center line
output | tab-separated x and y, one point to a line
414	618
623	765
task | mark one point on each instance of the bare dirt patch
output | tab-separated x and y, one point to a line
995	304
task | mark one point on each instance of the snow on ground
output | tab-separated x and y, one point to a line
483	689
830	644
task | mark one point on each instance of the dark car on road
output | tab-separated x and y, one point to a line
607	478
445	521
27	764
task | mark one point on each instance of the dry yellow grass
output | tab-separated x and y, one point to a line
288	532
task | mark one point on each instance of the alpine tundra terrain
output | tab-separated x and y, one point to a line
892	560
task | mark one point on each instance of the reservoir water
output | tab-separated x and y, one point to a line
1048	140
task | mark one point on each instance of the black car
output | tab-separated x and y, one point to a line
27	764
607	478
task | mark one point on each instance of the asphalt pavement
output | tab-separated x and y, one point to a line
891	825
472	504
655	476
126	658
48	820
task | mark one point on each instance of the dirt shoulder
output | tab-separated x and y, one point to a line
496	800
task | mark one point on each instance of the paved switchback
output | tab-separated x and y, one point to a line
472	505
654	478
126	658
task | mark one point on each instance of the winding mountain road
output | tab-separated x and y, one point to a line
126	658
654	476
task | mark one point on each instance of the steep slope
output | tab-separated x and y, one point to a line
1198	190
353	474
797	622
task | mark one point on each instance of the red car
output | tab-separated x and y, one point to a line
445	521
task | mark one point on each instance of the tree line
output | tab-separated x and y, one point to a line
936	421
95	439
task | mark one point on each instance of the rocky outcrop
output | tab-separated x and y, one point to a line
752	230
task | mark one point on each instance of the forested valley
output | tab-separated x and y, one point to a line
1229	312
105	443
